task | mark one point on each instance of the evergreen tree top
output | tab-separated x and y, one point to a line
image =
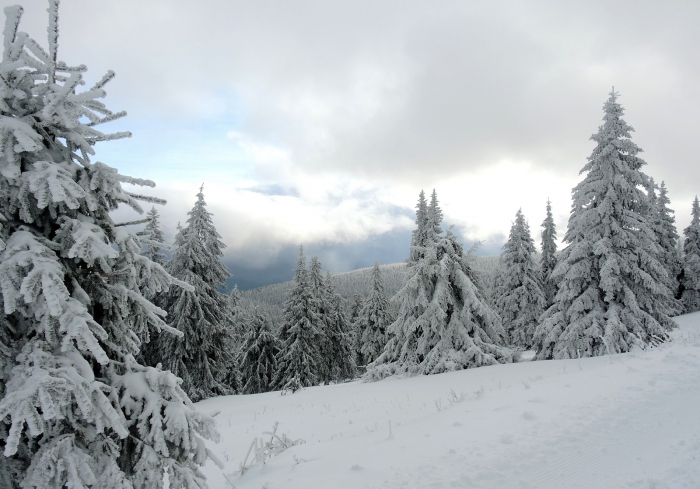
234	298
153	226
668	235
520	245
300	270
300	298
316	274
419	237
377	281
428	230
330	288
421	209
663	199
153	238
549	231
199	249
692	232
612	187
434	217
695	221
613	138
548	259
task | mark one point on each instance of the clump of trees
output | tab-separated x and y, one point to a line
443	321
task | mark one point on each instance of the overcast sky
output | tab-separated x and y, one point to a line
318	122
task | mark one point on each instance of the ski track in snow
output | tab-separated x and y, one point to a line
628	421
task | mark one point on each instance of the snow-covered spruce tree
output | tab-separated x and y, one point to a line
520	300
443	321
342	364
300	362
434	220
235	300
239	317
419	237
668	235
690	280
663	224
612	291
77	410
321	309
374	319
201	357
354	313
152	350
153	238
548	259
260	349
154	242
355	307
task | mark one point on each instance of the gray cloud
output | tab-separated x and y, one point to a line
372	88
399	94
391	247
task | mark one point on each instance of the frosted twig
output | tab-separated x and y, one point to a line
133	223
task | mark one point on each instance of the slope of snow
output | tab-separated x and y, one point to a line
622	421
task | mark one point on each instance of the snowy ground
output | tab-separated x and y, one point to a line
626	421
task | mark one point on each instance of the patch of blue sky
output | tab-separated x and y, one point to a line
171	147
178	150
274	189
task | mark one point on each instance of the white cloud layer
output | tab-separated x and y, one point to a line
319	121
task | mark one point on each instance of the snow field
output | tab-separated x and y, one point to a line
624	421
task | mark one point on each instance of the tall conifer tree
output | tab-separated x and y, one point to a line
520	300
153	238
235	300
434	220
443	321
201	357
259	354
321	306
374	319
342	364
354	313
300	362
236	330
613	291
419	237
663	224
239	318
691	262
77	409
548	259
